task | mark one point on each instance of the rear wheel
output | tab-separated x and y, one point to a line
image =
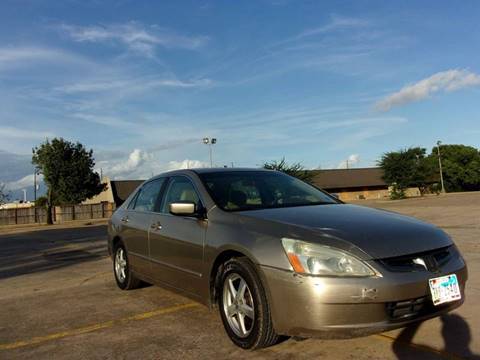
125	279
244	307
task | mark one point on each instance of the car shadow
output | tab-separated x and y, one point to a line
50	249
456	336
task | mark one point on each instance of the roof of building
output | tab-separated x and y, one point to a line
121	189
348	178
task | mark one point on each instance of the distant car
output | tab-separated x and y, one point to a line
281	257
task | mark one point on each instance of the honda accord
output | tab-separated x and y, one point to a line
279	257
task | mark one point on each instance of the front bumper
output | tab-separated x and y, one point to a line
328	307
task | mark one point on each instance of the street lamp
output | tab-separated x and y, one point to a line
210	142
440	165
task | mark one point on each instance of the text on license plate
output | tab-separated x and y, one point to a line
444	289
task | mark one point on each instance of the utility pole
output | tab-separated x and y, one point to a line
440	165
210	142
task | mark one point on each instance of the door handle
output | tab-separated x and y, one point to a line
124	219
156	226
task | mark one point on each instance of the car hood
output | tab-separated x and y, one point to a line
378	233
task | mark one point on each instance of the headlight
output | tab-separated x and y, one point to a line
308	258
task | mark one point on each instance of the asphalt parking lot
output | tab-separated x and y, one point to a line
58	299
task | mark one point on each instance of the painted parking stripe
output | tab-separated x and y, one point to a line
95	327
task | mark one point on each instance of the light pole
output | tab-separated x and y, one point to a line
440	165
210	142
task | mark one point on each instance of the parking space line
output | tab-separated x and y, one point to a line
95	327
425	348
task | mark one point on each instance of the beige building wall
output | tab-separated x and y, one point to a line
17	205
105	196
373	194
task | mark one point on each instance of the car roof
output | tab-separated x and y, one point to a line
225	170
207	171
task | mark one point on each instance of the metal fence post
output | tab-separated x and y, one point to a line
16	216
73	212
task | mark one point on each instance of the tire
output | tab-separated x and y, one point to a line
125	279
257	330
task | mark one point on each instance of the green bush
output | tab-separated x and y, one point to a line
397	192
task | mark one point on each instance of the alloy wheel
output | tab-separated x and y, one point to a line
238	305
120	265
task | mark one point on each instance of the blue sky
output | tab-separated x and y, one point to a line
143	82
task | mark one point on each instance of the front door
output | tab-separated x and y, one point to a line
176	242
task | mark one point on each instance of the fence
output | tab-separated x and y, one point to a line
60	214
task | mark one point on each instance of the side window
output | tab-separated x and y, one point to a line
147	199
180	189
131	204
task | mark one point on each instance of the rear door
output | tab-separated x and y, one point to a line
177	242
136	223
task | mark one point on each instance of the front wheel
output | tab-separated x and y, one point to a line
125	279
244	307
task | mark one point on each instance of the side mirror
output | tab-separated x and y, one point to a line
183	208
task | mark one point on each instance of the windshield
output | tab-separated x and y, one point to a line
250	190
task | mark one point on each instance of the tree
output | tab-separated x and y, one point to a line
296	169
67	170
3	194
460	165
41	201
408	168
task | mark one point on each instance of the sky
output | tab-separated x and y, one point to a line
141	82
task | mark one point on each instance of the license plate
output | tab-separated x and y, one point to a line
444	289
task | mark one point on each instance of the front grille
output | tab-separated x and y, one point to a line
429	260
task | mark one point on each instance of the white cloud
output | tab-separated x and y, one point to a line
23	183
362	134
135	36
186	164
16	56
104	120
350	162
11	132
450	80
336	23
123	168
141	164
130	85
